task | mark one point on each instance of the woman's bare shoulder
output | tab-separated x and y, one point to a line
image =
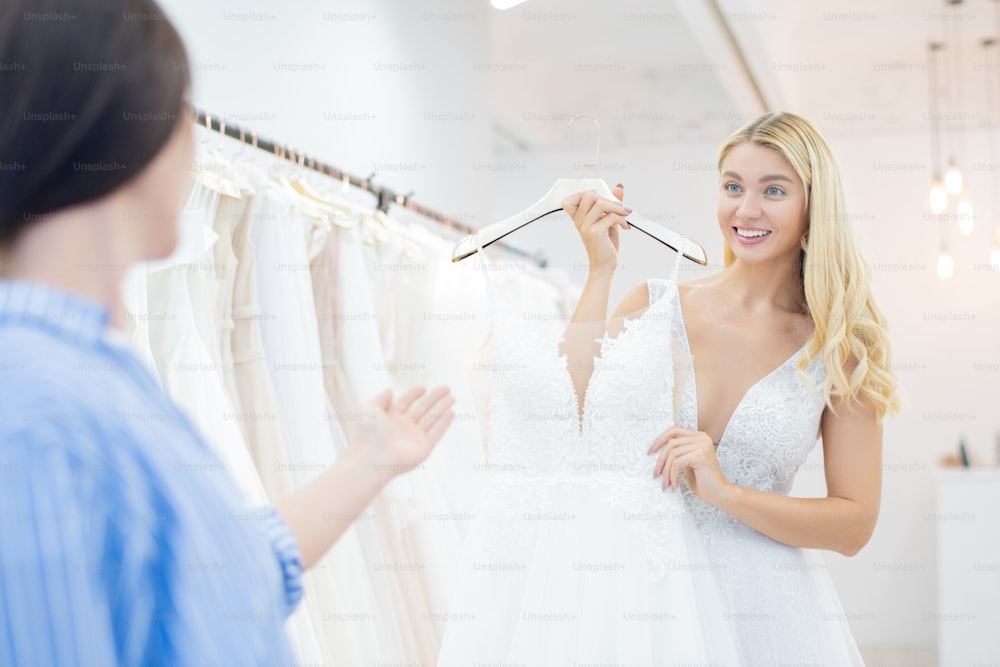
692	290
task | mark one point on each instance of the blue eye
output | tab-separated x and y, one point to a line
732	187
775	191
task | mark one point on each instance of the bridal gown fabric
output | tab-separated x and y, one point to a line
577	554
349	619
375	527
415	525
783	601
248	377
186	367
440	315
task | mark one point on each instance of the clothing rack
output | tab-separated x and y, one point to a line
384	196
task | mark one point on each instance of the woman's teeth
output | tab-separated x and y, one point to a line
750	234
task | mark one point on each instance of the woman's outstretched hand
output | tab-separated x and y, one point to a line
687	449
391	436
396	434
598	220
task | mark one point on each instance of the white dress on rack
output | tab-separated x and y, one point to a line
577	554
347	613
414	513
186	367
781	598
135	327
444	315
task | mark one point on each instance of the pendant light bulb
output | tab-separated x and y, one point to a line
995	259
995	253
945	265
966	216
939	197
953	179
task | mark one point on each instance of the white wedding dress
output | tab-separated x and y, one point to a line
576	554
781	598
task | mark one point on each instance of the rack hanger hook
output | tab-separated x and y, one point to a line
207	139
597	150
222	134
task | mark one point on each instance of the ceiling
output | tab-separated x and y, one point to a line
656	72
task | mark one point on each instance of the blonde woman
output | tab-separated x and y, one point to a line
788	346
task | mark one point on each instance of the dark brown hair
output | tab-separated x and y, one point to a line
90	91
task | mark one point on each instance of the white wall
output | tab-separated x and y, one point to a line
367	86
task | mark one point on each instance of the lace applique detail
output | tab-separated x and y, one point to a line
539	445
769	436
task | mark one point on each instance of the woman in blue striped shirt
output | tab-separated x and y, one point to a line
122	541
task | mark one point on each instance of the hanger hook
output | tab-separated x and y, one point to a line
243	143
208	124
597	150
222	133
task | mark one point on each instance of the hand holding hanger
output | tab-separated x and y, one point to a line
598	220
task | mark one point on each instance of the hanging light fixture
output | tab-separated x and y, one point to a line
994	115
966	215
953	178
945	264
995	253
938	196
953	181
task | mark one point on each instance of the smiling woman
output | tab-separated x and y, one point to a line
800	194
787	344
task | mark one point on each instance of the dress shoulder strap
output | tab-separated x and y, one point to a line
658	287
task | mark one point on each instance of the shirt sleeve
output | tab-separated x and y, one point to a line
53	607
286	551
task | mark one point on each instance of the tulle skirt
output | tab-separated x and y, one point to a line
564	575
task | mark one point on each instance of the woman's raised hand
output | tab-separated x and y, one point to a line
598	220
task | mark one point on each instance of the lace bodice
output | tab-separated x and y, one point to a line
538	442
770	434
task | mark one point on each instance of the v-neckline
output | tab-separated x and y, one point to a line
607	345
694	374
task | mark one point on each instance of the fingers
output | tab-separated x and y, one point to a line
604	225
419	409
436	410
433	413
383	400
665	437
683	458
440	424
602	208
688	460
671	463
572	203
619	192
406	400
587	207
677	447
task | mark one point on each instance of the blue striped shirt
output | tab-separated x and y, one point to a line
122	539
